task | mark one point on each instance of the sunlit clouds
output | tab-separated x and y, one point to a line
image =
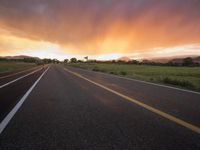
105	29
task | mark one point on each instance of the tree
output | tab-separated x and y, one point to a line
55	61
73	60
66	61
79	61
29	60
86	58
188	61
133	62
47	61
113	61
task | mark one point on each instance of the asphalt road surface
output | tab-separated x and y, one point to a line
77	109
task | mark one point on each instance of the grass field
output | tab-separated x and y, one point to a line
14	66
184	77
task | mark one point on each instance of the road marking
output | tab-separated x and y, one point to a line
146	82
150	108
11	114
19	78
10	75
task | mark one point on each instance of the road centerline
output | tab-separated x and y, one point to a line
150	108
141	81
11	114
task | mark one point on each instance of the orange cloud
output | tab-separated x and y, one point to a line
100	27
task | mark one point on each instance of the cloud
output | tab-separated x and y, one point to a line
103	26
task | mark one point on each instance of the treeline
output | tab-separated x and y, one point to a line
32	60
181	62
184	62
188	61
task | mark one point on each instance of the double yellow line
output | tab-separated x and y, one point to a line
154	110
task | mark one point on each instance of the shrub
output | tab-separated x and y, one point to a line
151	79
188	61
111	72
182	83
123	73
73	60
95	69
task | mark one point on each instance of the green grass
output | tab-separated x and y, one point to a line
14	66
184	77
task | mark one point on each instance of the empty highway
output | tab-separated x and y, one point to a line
60	108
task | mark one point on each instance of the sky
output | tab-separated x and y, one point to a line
100	29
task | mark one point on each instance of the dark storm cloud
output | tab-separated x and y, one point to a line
79	22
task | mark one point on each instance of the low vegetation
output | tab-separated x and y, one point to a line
185	77
14	66
27	59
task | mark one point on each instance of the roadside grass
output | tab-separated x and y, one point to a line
183	77
14	66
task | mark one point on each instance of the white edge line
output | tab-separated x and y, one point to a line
19	78
131	79
7	119
26	70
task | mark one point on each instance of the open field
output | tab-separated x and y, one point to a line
14	66
184	77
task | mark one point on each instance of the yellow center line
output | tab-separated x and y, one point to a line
150	108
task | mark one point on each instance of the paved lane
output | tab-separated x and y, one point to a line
8	73
12	93
181	104
14	75
67	112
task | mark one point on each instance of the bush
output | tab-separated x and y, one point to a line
188	61
123	73
73	60
112	72
151	79
182	83
98	69
95	69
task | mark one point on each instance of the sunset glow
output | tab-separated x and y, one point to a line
100	29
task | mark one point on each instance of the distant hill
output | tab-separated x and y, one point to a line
196	59
180	60
173	58
125	58
19	57
162	59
